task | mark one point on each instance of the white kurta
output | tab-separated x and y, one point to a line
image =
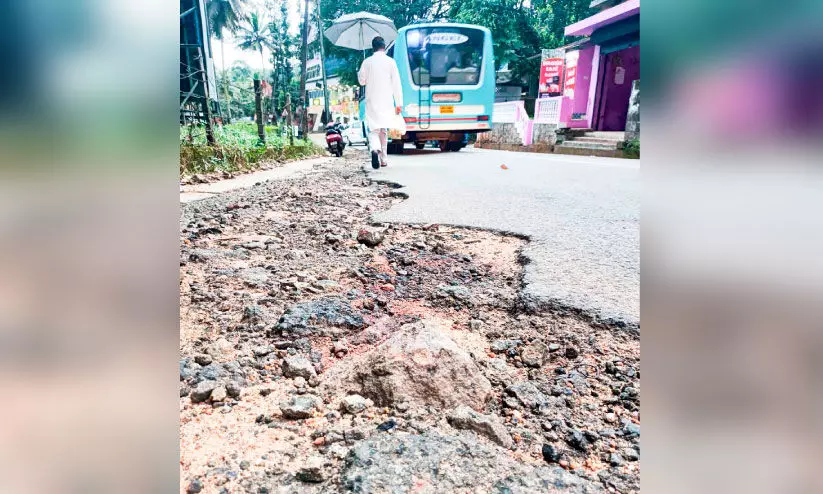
383	91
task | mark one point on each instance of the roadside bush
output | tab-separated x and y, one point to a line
237	149
632	149
240	135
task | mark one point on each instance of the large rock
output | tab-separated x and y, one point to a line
370	237
221	349
298	366
488	425
534	354
458	293
300	407
418	365
431	463
379	331
313	471
219	394
498	372
254	277
254	314
528	395
500	346
307	317
354	404
203	391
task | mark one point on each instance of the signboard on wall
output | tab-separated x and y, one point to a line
551	72
571	73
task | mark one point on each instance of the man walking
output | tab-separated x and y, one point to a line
384	99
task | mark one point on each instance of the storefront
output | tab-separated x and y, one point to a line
342	99
343	104
601	68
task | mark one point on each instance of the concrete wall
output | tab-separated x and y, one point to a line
544	133
505	137
533	135
502	133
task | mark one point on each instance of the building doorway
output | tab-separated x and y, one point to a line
618	69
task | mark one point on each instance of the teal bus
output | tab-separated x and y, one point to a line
448	77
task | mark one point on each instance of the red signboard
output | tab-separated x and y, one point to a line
551	73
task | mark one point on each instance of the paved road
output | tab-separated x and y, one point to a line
582	215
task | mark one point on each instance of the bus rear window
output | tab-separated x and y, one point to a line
445	55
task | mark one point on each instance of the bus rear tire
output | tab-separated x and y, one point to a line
395	147
420	145
455	146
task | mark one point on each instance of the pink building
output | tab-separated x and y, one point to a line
602	67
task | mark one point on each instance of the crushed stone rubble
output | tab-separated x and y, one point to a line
322	353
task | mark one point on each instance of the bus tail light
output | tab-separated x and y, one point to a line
483	118
447	98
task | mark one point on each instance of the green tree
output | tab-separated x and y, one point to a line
224	15
504	18
549	21
239	82
254	35
520	29
552	16
402	13
282	54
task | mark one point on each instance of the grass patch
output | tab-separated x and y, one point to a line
237	149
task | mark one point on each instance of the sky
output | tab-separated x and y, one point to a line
252	58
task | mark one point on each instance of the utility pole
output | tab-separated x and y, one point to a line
258	110
206	97
323	63
289	117
304	52
225	79
209	32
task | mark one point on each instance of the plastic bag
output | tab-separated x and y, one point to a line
398	127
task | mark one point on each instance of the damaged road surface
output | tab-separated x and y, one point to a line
581	214
323	353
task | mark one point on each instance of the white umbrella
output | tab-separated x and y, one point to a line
356	31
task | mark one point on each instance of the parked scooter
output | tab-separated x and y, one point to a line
334	138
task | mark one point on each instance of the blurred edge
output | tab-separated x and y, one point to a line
88	246
732	275
732	241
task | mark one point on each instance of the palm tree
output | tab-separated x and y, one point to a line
254	35
224	15
281	42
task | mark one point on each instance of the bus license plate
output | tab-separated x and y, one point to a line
446	110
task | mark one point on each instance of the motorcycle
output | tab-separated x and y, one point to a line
334	139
